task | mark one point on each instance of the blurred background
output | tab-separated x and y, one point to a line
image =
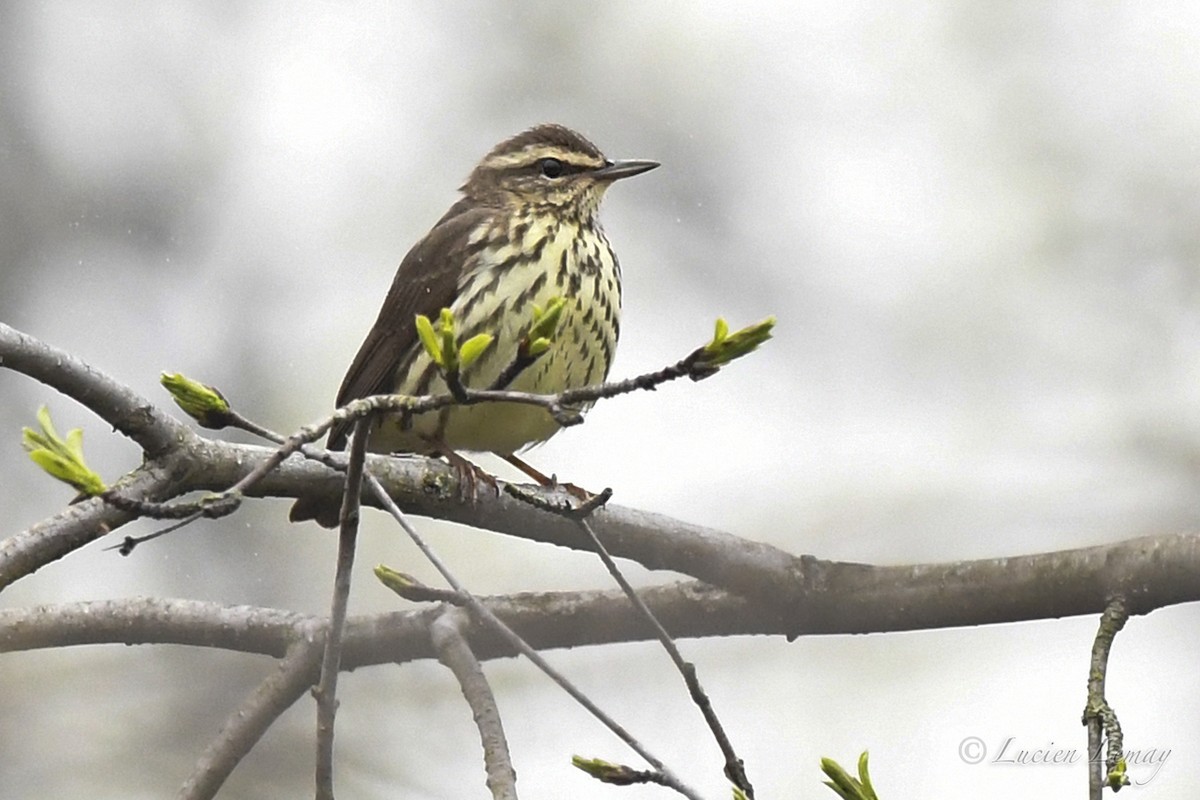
976	223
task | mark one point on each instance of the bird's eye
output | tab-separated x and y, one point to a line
550	167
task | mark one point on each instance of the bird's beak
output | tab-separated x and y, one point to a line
615	170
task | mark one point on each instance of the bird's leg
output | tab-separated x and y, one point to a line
468	472
578	492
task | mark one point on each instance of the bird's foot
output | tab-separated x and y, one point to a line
469	475
551	481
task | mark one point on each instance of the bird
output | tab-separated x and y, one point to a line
524	233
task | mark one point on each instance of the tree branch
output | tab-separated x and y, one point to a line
245	726
810	595
734	766
1098	715
126	410
514	640
331	661
1165	570
803	594
453	649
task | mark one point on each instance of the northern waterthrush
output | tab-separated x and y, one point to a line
524	233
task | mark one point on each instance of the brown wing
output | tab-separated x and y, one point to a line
425	283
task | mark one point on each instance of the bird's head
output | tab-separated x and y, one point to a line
549	168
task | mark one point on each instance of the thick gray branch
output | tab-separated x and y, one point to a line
791	594
120	406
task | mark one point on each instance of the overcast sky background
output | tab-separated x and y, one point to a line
977	226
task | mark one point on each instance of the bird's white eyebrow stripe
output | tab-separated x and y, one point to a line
533	153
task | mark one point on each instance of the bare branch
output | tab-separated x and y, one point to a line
520	645
1098	715
548	620
147	620
734	766
802	593
851	598
126	410
326	690
245	726
76	525
811	595
454	651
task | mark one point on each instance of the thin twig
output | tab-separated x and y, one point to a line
1098	715
128	544
326	691
562	506
454	651
246	725
23	553
225	502
561	406
734	767
520	645
212	506
519	364
558	405
411	589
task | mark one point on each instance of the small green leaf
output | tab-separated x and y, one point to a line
845	786
473	348
1117	778
202	403
839	780
396	581
537	347
545	321
60	458
864	775
449	340
429	340
722	331
75	443
544	328
54	463
606	771
726	347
